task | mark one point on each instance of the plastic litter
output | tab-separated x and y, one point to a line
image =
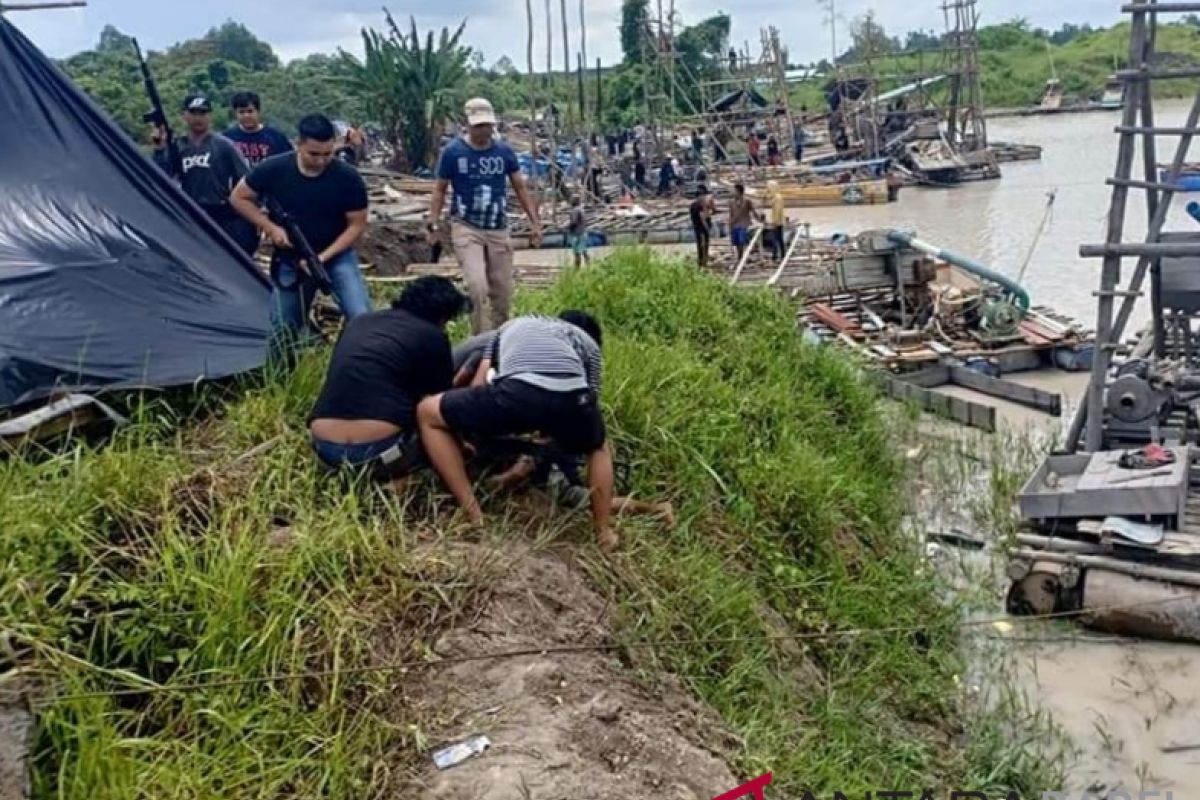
457	753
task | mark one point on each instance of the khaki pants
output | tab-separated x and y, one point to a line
486	259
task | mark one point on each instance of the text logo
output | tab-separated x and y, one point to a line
200	160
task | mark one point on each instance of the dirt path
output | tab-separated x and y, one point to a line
563	726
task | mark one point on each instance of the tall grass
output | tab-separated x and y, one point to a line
211	547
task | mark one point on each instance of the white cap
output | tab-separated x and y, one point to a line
479	112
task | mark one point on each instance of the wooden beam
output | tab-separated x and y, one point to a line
1162	8
1007	390
964	412
746	256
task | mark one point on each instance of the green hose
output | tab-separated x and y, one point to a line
1019	296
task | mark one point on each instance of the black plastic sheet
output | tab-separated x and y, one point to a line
110	277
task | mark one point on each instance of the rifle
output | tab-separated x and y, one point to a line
158	116
315	268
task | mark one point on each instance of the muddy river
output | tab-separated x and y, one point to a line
996	221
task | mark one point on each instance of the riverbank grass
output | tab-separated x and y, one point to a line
205	547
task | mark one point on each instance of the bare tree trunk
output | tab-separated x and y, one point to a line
532	98
586	128
549	46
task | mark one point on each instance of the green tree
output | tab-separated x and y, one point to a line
869	39
234	42
635	17
408	86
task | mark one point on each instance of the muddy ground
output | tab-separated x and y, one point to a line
563	726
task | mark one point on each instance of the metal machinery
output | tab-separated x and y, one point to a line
1111	526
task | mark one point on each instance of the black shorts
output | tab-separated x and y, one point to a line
508	407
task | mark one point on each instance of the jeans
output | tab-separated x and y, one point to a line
290	306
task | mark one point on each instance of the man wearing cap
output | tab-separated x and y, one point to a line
479	169
211	167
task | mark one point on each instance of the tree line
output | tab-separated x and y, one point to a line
406	83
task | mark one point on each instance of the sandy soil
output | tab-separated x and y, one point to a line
563	726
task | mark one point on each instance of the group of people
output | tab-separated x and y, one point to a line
396	396
742	214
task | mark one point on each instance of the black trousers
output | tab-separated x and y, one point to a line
703	237
236	227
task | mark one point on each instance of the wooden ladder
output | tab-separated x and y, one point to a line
1137	120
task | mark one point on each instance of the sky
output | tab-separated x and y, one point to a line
296	28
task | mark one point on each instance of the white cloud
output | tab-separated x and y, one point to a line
299	27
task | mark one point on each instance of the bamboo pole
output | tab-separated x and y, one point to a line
786	258
746	255
549	49
532	97
584	59
41	6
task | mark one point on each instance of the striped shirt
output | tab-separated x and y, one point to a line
548	353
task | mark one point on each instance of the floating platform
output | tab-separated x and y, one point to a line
1126	560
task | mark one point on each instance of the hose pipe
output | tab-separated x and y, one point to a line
1019	296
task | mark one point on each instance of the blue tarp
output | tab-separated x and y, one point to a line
110	276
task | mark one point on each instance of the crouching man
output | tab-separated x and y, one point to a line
383	365
558	475
546	379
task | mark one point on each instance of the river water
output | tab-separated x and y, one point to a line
1127	706
996	221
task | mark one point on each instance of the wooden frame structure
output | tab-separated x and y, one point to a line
1137	121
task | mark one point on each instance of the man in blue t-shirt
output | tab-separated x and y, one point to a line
254	140
479	169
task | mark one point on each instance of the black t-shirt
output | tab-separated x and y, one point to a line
319	205
382	366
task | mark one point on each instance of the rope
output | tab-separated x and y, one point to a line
405	666
1038	235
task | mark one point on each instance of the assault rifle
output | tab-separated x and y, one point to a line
315	268
158	116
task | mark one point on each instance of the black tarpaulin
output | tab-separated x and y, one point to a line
110	277
726	102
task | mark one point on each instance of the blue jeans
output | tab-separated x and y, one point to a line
290	307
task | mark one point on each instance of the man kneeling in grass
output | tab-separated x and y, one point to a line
546	380
383	365
557	473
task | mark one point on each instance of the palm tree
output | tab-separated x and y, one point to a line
408	86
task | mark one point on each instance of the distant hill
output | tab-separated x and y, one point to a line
1016	60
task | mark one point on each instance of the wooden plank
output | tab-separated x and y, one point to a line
831	318
1007	390
965	412
928	378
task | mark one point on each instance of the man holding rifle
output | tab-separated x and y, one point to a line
207	168
324	203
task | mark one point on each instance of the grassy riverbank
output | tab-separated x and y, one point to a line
206	547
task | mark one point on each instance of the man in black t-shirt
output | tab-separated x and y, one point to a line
328	201
383	364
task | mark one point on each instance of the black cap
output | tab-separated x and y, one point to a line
197	103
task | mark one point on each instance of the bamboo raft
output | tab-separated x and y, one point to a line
854	193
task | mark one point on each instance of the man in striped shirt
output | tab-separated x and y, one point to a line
538	375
